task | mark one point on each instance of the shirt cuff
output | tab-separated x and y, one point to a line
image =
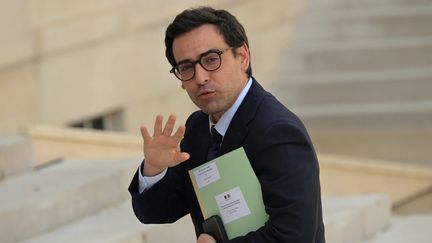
146	182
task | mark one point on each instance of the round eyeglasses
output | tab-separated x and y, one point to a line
210	61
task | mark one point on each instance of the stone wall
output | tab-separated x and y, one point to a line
67	61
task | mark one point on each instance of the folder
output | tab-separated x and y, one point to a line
227	186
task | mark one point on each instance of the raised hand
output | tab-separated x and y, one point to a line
162	150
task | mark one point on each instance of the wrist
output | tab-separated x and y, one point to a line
147	169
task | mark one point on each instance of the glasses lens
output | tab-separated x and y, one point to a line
184	71
211	61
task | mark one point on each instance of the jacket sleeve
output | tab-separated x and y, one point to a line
164	202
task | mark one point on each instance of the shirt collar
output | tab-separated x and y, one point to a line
222	125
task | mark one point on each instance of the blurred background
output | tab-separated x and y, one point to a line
78	78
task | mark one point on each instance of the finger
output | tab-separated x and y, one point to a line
144	133
158	125
169	125
179	134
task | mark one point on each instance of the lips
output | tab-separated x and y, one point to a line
205	93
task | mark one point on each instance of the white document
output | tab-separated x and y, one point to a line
207	175
232	205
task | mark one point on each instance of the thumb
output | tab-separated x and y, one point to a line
181	157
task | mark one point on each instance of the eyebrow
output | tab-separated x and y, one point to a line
200	56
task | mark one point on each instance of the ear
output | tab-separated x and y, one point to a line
244	55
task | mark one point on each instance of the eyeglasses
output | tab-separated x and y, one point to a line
210	61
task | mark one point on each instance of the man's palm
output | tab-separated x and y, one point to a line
162	150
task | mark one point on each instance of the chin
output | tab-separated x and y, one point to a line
210	109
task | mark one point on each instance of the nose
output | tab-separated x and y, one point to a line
201	75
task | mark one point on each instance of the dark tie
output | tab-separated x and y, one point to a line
215	143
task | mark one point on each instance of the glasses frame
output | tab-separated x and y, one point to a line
216	51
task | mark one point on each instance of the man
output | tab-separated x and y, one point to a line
209	52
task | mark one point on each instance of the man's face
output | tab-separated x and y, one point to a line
214	92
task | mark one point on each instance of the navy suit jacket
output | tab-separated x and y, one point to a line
282	156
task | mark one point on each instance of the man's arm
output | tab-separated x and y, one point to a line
164	202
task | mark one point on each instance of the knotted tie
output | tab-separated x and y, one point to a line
215	143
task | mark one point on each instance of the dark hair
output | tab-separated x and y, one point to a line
231	30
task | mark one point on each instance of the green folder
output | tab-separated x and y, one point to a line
227	186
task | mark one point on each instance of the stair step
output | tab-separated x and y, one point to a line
403	229
119	225
355	218
331	57
395	113
56	195
348	4
406	144
348	218
16	156
369	23
356	88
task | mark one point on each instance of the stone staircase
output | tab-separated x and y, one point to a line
70	200
75	201
44	199
361	64
87	201
358	60
403	229
118	225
